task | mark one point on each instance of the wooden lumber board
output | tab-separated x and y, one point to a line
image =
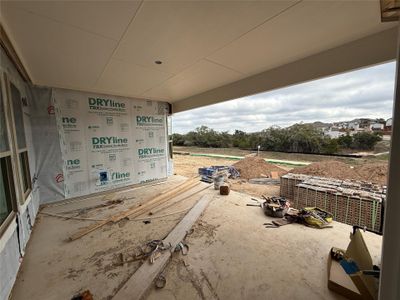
179	200
140	282
141	210
87	229
158	200
135	209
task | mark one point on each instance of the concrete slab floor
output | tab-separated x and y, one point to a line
231	256
54	268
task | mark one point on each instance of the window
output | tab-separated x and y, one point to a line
21	141
7	191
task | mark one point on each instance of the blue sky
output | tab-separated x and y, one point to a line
363	93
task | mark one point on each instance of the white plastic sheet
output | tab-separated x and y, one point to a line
108	141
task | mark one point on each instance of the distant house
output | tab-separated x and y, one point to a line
354	126
334	133
377	127
365	123
388	125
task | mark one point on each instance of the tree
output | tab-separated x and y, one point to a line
178	139
302	138
330	146
345	141
365	140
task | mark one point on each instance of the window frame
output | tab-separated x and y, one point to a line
22	194
11	180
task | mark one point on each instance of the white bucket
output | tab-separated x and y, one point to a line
218	181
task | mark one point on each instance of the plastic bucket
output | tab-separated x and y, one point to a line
218	181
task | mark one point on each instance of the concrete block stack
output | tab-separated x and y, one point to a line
350	202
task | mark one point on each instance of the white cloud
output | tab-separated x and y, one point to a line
362	93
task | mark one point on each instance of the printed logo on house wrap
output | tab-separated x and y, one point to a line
117	177
73	164
151	152
110	105
104	142
148	180
69	122
150	121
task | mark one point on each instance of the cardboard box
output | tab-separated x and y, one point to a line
340	282
356	285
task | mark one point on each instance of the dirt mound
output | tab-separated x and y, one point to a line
256	167
374	172
329	168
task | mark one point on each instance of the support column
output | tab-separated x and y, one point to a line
390	275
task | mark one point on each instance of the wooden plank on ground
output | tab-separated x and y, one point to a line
137	209
168	205
140	282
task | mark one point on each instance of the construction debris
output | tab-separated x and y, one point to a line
150	250
310	216
209	174
279	207
275	206
314	217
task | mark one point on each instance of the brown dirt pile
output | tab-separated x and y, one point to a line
374	172
256	167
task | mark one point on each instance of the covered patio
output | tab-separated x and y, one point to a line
87	94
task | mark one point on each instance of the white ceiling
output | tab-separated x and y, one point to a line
111	47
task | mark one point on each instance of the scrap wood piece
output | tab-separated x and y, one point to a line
282	222
139	283
136	210
274	175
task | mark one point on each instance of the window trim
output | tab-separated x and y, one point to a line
6	223
20	194
26	167
5	154
9	153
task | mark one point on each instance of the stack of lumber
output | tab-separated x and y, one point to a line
139	209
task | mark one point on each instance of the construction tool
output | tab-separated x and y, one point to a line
257	205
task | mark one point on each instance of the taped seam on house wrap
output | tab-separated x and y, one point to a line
48	160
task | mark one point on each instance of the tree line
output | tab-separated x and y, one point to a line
302	138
